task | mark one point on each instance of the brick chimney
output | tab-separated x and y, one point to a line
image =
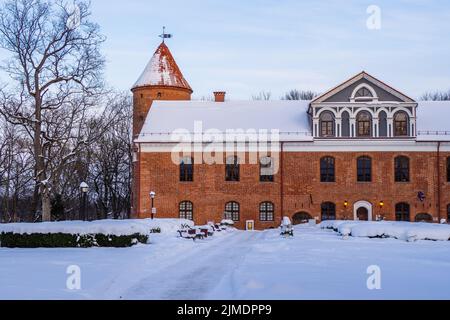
219	96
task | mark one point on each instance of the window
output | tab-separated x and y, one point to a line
448	169
401	121
232	211
345	124
232	169
424	217
401	169
328	211
364	93
266	211
402	212
364	124
266	173
186	210
327	169
364	169
187	170
382	124
327	124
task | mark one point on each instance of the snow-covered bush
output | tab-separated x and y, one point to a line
227	223
407	231
65	240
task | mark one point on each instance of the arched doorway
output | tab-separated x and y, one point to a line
363	211
301	218
424	217
362	214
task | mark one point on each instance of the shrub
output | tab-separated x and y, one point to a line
64	240
155	230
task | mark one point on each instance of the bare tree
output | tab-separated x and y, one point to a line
436	96
300	95
263	95
57	67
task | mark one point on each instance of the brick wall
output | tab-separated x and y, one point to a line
303	191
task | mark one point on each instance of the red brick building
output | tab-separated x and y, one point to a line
362	150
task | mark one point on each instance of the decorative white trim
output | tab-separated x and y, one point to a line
362	204
374	97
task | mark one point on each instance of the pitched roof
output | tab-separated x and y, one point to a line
359	76
162	70
289	117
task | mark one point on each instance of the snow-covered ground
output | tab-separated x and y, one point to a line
315	264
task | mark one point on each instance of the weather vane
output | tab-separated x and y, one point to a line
165	35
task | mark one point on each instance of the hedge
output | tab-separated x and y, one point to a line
64	240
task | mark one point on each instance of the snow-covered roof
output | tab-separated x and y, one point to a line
162	70
433	121
290	118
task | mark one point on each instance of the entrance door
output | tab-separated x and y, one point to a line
363	214
250	225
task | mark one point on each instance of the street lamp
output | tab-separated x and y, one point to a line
84	188
152	196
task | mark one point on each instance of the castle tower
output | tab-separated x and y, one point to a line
161	80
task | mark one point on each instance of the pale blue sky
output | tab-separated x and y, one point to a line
245	46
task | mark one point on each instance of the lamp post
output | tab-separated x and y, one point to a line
152	196
84	188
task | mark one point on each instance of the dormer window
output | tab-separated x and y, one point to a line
364	124
401	123
327	125
364	93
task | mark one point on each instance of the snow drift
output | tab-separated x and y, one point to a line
389	229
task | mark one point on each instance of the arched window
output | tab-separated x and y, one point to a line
402	212
232	172
401	124
328	211
345	124
327	124
382	124
401	169
364	124
232	211
301	217
363	93
448	169
364	169
266	211
266	169
327	169
424	217
187	169
186	210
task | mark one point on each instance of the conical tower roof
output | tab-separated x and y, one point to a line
162	70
